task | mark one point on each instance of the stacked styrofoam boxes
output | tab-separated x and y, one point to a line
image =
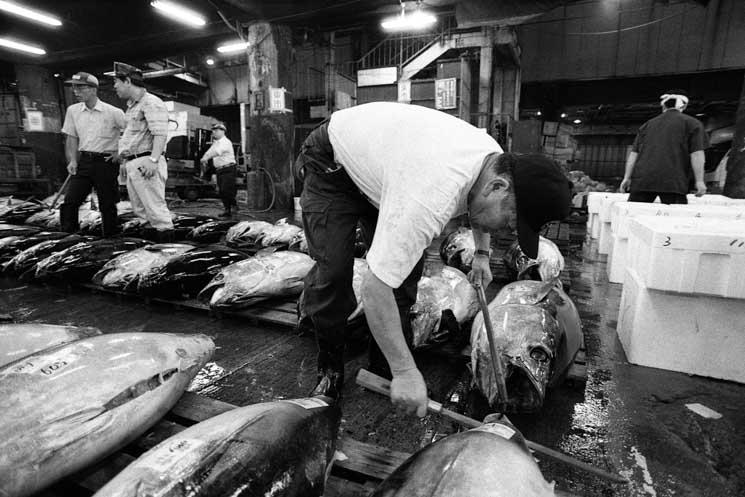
604	235
683	301
595	202
623	212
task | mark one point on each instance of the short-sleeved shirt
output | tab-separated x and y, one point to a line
96	129
146	117
221	152
665	144
417	166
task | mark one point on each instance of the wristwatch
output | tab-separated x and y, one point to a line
483	252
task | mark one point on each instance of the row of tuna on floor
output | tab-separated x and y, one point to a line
56	422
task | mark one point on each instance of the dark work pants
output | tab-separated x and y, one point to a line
665	198
332	206
101	176
226	185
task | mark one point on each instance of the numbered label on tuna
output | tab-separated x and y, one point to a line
170	455
310	403
51	368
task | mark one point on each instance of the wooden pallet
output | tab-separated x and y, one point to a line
362	468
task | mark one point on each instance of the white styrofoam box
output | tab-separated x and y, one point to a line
624	212
693	334
604	234
689	255
595	203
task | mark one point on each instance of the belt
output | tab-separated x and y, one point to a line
218	169
137	156
94	155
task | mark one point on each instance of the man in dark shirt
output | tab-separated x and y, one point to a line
665	151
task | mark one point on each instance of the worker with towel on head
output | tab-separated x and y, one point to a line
223	158
92	128
141	150
667	149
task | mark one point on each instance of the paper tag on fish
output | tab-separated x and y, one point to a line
47	366
310	403
165	458
503	431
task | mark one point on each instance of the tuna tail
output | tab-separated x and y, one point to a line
205	296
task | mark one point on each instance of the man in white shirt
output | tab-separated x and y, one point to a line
403	171
92	128
223	158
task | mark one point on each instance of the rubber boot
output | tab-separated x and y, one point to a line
330	373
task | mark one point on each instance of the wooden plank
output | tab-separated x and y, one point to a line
370	460
339	487
195	408
96	476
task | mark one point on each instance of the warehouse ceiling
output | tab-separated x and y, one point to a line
97	31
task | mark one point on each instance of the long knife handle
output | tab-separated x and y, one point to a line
382	386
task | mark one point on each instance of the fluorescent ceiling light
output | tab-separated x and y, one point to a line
34	15
577	121
409	22
210	61
179	13
21	47
235	46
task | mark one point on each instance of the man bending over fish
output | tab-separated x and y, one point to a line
403	171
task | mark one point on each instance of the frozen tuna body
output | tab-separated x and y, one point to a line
457	249
276	448
549	263
210	232
278	274
445	300
188	273
537	332
280	233
124	272
489	461
20	340
245	233
69	406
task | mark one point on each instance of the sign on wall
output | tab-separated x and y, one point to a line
34	120
404	91
445	93
277	100
343	100
378	76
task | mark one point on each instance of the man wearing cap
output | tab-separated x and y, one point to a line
92	128
403	171
223	157
666	149
141	150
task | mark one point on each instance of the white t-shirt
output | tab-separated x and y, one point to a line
417	166
221	152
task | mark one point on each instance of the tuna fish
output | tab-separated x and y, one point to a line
492	460
184	224
245	233
299	243
278	274
67	407
187	274
24	263
20	212
211	232
273	449
124	272
42	217
537	331
16	230
280	233
80	262
12	245
20	340
549	263
445	301
457	249
134	227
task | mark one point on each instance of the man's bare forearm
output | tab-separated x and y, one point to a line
385	324
71	149
697	164
630	162
482	239
159	145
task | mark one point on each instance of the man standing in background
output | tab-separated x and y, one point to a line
141	150
223	157
92	128
665	151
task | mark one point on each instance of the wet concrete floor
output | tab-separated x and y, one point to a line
626	419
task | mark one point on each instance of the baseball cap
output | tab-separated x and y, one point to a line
219	126
83	79
542	194
122	70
